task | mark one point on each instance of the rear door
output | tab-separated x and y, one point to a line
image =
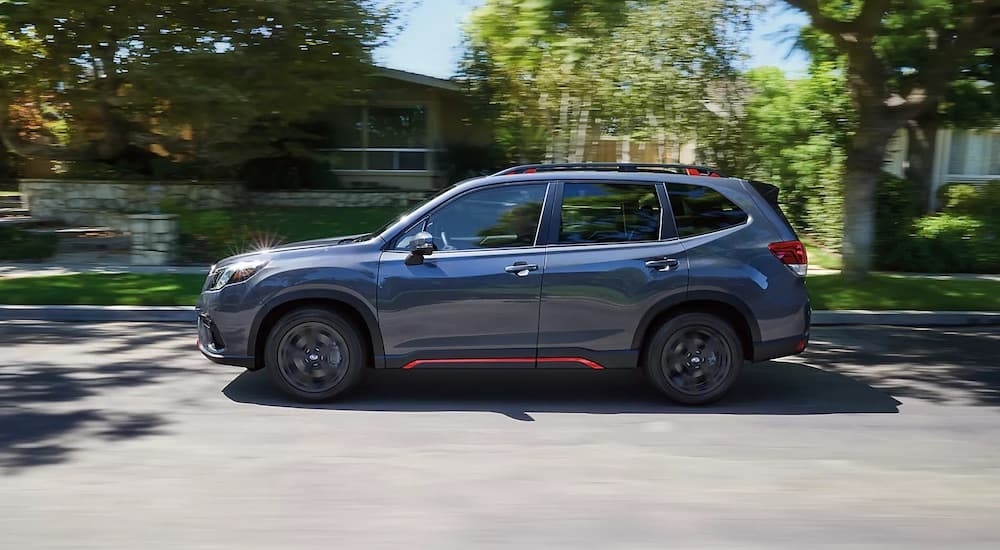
612	255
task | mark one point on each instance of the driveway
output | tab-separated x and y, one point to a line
120	435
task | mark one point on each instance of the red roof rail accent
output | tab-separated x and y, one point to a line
682	169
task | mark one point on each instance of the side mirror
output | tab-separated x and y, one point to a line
421	245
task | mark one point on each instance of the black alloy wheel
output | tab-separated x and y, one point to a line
694	358
315	355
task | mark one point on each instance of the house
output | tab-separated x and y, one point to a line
398	136
960	156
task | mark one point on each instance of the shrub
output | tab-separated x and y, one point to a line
897	205
19	244
967	199
207	235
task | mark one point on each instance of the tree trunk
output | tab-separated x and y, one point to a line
921	143
863	168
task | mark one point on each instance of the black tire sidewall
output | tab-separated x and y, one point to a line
357	353
654	352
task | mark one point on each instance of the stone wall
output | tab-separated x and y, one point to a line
108	203
337	198
154	238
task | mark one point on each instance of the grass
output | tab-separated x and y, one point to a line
821	257
166	289
878	292
885	291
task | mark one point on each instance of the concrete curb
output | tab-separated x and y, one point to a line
186	314
905	318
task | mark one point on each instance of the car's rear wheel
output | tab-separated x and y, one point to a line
315	355
694	358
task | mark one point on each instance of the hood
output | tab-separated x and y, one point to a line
290	247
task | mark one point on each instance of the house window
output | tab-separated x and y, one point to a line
381	138
974	154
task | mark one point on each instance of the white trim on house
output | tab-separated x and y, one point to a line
983	143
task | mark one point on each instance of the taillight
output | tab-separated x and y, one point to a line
792	254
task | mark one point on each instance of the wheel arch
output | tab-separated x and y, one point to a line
727	307
350	306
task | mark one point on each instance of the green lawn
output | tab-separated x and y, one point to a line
821	257
103	289
885	291
878	292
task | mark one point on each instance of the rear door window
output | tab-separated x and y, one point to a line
609	213
698	210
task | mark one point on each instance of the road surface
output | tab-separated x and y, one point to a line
120	436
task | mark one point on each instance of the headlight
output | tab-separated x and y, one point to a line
235	273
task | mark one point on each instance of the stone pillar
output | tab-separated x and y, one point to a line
154	238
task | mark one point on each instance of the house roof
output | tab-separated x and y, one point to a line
416	78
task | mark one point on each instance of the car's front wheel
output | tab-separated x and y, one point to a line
694	358
315	355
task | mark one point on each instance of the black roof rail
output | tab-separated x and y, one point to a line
683	169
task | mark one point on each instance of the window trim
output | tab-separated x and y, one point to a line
666	215
364	149
542	221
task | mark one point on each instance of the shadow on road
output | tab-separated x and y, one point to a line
773	388
56	401
941	365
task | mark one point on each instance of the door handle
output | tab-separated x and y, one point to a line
521	269
662	264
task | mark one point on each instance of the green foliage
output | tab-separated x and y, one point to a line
792	133
177	79
904	60
553	74
964	237
126	289
19	244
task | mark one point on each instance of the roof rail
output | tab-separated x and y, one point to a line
683	169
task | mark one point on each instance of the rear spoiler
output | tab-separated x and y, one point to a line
766	190
770	194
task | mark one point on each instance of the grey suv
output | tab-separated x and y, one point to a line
673	269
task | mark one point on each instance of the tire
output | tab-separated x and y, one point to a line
315	355
694	358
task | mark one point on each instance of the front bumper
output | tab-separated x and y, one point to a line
212	345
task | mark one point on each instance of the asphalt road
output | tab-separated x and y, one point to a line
120	436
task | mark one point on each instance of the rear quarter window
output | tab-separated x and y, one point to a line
699	210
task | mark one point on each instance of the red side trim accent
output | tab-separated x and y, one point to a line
585	362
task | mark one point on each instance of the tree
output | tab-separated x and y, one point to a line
901	56
103	79
793	134
554	72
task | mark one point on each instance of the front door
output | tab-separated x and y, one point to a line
475	300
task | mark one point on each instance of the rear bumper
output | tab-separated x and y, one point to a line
772	349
